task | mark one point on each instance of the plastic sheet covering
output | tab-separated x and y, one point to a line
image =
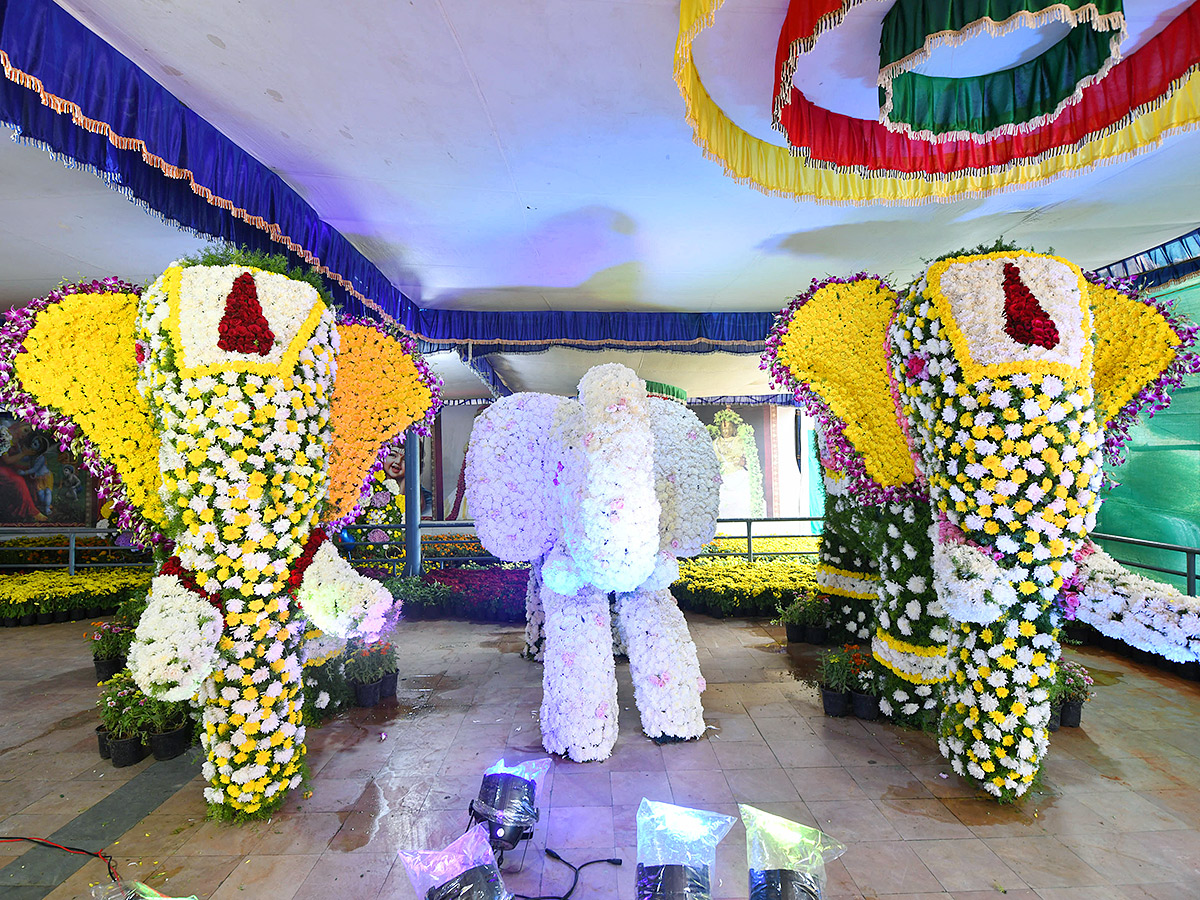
677	849
129	890
786	859
464	870
508	794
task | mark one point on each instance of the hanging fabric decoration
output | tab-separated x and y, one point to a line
1008	101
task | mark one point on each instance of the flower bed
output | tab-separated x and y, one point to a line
495	594
48	591
732	586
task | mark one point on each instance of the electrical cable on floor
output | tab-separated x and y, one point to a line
9	839
574	882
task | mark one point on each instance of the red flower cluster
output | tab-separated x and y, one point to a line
315	539
174	567
1024	319
244	328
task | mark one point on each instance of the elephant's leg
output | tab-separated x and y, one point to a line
912	630
993	725
253	724
847	573
535	617
579	685
662	660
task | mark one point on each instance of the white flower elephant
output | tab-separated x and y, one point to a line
601	495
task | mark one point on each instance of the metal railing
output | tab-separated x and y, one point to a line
1189	557
77	555
365	552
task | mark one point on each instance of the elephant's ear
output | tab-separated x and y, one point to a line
380	391
836	343
1136	343
80	361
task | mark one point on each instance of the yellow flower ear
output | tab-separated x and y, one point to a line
80	361
378	393
836	342
1134	345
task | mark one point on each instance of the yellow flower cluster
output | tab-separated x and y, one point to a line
835	342
736	577
378	394
764	546
79	361
1134	345
56	589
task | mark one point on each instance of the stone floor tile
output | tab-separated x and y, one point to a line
920	819
967	864
278	877
1044	862
888	867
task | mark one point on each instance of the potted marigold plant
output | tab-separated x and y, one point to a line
816	617
110	645
791	617
1076	691
865	678
834	674
363	668
124	714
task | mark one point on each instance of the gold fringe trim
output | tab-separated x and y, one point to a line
67	107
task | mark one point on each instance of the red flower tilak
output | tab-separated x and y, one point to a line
1024	319
244	328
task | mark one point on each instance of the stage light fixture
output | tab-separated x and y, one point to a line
677	850
786	860
507	802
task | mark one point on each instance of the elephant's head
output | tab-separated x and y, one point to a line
570	481
990	387
220	405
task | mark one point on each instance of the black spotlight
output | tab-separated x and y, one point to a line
783	884
507	802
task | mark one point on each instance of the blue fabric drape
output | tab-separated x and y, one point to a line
44	41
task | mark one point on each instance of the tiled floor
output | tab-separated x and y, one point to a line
1117	816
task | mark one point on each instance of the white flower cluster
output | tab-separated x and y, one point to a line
687	478
970	584
1140	611
339	601
512	474
579	684
975	290
175	646
606	491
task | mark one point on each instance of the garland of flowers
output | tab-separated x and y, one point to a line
847	572
84	396
1140	611
1144	349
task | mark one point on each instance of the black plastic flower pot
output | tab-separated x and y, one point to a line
9	621
62	615
45	618
126	751
783	884
387	686
107	668
1071	712
673	883
78	614
835	703
102	741
815	634
29	619
795	633
170	744
367	694
866	706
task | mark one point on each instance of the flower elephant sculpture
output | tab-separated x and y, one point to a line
962	432
221	418
601	495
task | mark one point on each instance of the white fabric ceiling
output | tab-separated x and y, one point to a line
527	155
533	154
